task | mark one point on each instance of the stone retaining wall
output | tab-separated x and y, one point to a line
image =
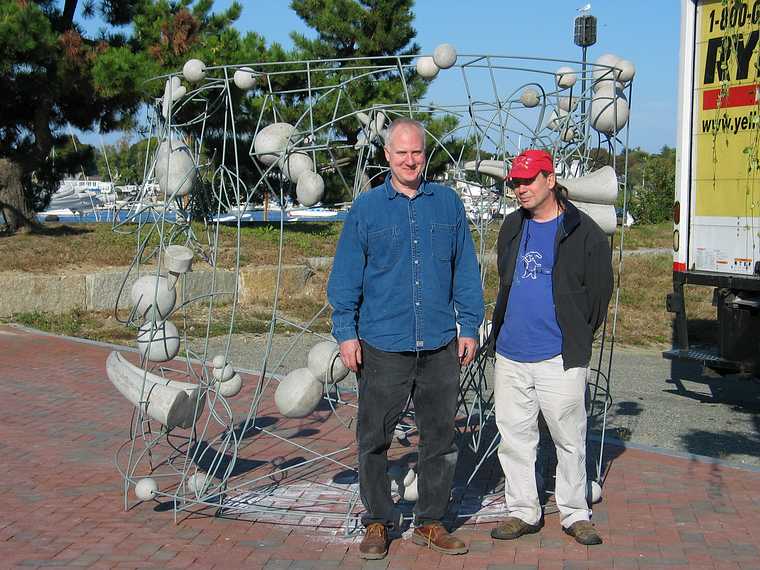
22	292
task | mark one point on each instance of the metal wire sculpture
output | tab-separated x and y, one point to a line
188	444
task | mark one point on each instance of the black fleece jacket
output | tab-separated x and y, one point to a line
582	280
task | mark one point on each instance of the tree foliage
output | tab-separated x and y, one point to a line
651	185
55	75
360	32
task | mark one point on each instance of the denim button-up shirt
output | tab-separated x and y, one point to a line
405	271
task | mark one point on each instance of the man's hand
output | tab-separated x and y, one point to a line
467	349
351	354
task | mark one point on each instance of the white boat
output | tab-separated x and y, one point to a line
313	214
80	196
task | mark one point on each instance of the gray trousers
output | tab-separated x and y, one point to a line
386	380
521	390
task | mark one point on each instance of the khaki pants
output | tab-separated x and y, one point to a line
521	390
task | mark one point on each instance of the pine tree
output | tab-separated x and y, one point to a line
55	76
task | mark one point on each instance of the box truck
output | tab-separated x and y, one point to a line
716	214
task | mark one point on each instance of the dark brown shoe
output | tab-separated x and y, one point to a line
513	527
375	542
436	537
584	533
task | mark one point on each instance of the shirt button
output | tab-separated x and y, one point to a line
416	282
415	241
417	303
416	261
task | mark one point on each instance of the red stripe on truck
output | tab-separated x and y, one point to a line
739	96
680	267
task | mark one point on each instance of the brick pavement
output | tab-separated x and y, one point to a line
62	504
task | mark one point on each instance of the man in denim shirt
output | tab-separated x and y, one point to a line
405	274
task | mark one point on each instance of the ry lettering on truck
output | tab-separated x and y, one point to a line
715	57
733	59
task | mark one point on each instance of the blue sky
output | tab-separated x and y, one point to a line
643	31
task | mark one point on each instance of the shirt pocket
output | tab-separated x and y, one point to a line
442	238
383	247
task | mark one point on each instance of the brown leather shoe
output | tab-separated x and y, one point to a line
513	527
375	542
584	533
436	537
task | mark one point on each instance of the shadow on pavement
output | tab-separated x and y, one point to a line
740	392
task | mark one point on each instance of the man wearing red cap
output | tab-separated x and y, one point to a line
556	281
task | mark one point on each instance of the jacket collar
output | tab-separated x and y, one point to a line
425	187
570	221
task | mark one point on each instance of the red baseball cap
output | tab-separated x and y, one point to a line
529	163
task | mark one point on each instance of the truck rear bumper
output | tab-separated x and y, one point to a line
706	355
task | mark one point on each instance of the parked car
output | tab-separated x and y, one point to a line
629	221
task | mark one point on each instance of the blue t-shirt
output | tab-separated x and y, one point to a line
530	332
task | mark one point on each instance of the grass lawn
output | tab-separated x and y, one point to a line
653	236
58	247
642	319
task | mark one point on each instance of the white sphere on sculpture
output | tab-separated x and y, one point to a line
379	124
530	97
325	363
271	141
609	111
244	78
567	103
627	70
178	258
593	492
173	89
361	140
152	297
298	394
218	361
426	67
196	483
394	474
558	119
310	189
230	388
223	373
567	134
601	67
158	341
175	169
146	488
607	84
295	164
194	70
445	56
565	77
411	490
